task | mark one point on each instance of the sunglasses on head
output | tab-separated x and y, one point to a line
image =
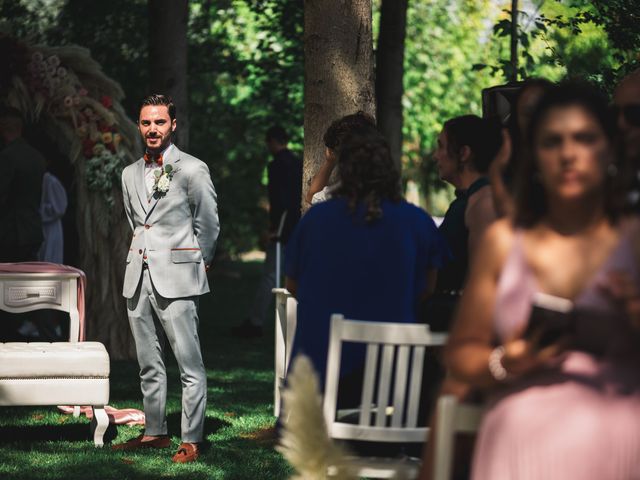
630	112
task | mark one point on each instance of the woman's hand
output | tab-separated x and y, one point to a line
523	355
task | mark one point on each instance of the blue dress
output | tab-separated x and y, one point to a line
373	272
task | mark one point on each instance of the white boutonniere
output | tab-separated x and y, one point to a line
162	180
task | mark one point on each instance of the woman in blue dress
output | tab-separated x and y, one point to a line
365	253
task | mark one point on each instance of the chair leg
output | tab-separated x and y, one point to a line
444	436
99	424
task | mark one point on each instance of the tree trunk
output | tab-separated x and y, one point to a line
338	50
168	58
390	72
514	41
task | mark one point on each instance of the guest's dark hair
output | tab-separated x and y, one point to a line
368	174
10	119
517	147
278	134
482	136
533	83
531	201
158	99
342	127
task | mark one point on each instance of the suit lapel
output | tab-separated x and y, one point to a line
171	158
140	186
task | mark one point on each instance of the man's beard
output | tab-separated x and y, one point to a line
163	144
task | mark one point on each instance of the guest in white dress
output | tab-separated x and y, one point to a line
52	207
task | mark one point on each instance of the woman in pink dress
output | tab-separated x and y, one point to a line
563	403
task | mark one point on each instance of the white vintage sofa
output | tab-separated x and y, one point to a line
60	373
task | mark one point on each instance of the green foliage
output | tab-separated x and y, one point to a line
246	73
594	40
103	172
444	40
28	19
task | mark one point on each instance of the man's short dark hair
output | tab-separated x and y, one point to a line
278	134
482	136
159	99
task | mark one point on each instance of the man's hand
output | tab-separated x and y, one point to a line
267	237
322	176
330	157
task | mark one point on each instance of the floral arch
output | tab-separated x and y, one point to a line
78	106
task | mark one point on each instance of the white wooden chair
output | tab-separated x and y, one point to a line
451	417
392	415
286	319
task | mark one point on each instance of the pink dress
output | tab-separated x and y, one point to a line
581	418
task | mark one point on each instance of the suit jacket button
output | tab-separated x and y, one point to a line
147	227
140	251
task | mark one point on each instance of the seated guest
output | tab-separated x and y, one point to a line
365	253
466	146
557	382
501	172
320	189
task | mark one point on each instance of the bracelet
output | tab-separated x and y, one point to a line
495	364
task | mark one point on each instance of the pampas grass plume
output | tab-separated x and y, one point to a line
304	440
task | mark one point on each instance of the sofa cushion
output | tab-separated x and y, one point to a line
53	360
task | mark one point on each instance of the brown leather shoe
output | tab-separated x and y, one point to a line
136	443
187	452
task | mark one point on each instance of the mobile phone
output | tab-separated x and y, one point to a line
551	318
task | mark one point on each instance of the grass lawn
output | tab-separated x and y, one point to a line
40	443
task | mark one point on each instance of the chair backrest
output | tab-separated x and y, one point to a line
286	319
399	352
451	418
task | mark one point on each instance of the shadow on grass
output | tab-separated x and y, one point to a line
80	432
211	424
75	432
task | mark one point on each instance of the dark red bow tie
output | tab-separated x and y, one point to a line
150	158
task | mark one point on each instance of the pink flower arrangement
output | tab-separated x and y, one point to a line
50	78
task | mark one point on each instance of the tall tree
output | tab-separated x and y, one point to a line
390	72
338	51
168	57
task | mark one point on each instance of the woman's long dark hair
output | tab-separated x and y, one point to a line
368	174
531	201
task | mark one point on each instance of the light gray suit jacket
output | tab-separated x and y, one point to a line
177	231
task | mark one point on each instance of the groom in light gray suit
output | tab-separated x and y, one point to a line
171	206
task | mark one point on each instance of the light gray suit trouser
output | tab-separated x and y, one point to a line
152	318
